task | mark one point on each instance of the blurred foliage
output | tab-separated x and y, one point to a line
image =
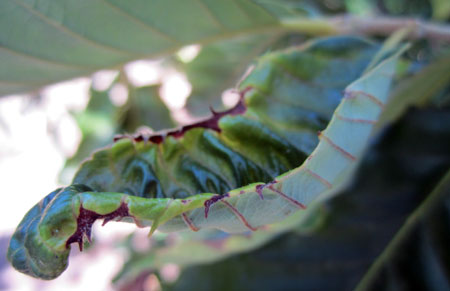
207	80
144	107
102	120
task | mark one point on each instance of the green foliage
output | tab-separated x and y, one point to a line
161	180
236	55
356	225
285	109
54	45
312	211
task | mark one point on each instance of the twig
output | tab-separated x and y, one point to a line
371	25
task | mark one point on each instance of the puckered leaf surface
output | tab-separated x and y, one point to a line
396	149
389	203
249	162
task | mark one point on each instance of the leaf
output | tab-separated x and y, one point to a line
208	77
288	8
151	182
49	41
189	249
143	106
420	9
295	128
441	9
418	89
96	128
425	237
216	246
395	178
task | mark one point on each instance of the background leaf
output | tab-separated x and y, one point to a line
418	256
102	120
63	39
207	80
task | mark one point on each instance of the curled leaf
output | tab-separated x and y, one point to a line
249	162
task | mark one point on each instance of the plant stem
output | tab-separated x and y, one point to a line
370	25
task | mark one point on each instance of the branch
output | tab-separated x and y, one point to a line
370	25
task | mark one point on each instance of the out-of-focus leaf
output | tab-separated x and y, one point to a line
289	8
360	7
418	89
49	41
144	106
394	178
418	257
289	94
189	249
97	125
418	8
441	9
209	77
101	120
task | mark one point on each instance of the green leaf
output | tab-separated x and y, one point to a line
269	132
394	178
95	125
441	9
144	106
189	249
49	41
208	78
298	109
418	89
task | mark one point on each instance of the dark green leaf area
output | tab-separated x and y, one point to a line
208	77
32	247
296	92
360	223
95	125
275	134
418	257
144	106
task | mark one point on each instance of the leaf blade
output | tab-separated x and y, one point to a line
237	210
77	38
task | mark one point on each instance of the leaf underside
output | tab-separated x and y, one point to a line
64	39
395	177
155	180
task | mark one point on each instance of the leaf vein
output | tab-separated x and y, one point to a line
336	147
72	33
189	222
45	61
238	215
211	15
286	197
142	23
